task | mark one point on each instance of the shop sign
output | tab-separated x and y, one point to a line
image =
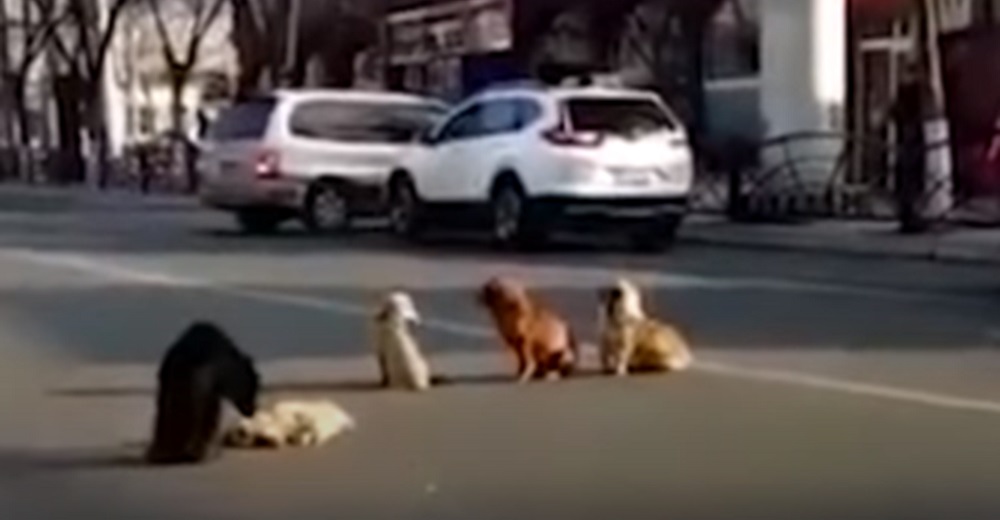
453	29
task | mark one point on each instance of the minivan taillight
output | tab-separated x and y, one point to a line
561	137
266	166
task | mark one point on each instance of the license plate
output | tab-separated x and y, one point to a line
229	168
633	177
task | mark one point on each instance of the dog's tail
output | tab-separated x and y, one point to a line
680	360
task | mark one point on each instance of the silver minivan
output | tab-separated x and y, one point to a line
321	156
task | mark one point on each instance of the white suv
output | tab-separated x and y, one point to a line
319	155
521	161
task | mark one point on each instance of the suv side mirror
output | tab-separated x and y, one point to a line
428	136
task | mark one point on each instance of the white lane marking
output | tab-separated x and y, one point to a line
120	272
113	272
893	393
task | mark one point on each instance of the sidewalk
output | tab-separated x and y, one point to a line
877	239
23	197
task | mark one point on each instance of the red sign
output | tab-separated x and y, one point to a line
972	84
879	8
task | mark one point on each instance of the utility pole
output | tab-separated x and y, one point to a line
938	200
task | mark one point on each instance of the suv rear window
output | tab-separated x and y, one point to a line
363	122
618	116
246	120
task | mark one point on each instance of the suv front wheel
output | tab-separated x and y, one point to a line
404	209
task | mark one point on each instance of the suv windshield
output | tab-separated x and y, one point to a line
363	122
618	116
246	120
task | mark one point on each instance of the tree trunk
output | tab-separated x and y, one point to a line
694	40
181	153
69	166
22	166
178	80
97	161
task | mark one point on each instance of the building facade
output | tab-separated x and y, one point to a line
768	67
138	85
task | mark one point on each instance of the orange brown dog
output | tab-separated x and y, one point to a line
542	341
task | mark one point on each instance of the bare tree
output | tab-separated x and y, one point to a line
83	43
259	34
34	27
181	49
276	40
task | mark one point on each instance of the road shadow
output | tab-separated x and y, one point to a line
24	463
348	386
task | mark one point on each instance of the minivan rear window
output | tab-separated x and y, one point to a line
618	116
245	120
367	122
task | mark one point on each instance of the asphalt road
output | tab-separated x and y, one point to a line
826	387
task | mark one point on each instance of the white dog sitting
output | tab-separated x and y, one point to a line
290	423
400	361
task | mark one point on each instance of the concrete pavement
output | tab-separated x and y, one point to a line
829	387
865	238
873	239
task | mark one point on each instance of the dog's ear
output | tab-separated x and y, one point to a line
487	294
610	295
241	384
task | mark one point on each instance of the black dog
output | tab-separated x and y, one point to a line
200	369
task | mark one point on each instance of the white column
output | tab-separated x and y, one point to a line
803	55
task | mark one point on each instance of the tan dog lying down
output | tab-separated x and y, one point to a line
292	424
633	342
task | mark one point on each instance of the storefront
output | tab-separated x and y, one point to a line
448	49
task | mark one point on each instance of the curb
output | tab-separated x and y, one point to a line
936	249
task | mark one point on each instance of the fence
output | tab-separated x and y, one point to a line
812	175
159	166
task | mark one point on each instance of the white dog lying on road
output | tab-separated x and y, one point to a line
290	423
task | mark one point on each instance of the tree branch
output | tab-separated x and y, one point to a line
114	15
169	54
201	26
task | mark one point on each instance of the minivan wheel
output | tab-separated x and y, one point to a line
512	225
258	221
404	210
657	236
326	209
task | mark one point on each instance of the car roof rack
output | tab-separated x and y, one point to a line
518	84
596	80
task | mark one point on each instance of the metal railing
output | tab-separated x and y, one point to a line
810	175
